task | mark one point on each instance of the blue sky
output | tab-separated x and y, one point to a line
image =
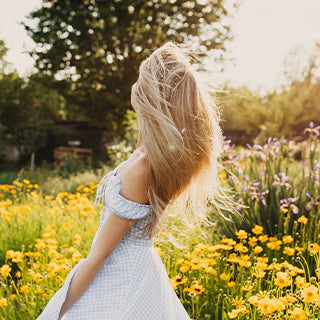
265	31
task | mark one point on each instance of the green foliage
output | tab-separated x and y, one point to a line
99	45
275	188
56	184
28	110
118	152
70	165
243	110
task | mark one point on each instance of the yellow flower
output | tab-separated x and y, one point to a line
196	266
313	248
241	234
310	293
5	270
254	300
34	275
283	279
40	244
12	297
263	259
231	284
298	314
235	313
288	251
233	258
269	305
241	248
257	229
252	241
38	291
303	219
274	245
77	239
224	276
25	289
180	261
245	264
260	273
238	302
287	239
76	256
300	282
194	289
257	250
263	238
25	181
177	280
228	241
210	270
246	288
16	256
261	265
3	302
290	299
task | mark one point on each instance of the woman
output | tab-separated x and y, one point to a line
175	163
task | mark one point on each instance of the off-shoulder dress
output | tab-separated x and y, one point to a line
133	283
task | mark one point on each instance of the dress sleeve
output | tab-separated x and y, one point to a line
119	205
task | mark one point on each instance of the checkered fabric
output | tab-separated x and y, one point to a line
133	283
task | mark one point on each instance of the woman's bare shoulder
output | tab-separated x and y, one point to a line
134	179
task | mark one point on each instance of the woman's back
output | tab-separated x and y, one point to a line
133	283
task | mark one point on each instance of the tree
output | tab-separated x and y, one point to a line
96	46
28	109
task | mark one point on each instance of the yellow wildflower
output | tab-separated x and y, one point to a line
25	289
5	270
224	276
298	314
257	229
184	268
303	220
263	238
288	251
309	293
3	302
287	239
257	250
283	279
242	234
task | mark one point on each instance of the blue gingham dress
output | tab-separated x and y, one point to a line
133	283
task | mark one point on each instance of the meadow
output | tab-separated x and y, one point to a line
264	264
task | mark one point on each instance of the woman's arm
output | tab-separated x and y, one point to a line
112	231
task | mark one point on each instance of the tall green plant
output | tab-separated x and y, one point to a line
276	188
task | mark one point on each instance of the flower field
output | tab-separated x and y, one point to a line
265	263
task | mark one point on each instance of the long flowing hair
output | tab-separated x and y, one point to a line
179	124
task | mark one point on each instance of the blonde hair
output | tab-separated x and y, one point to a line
179	124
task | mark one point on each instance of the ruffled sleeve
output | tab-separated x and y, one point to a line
109	192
